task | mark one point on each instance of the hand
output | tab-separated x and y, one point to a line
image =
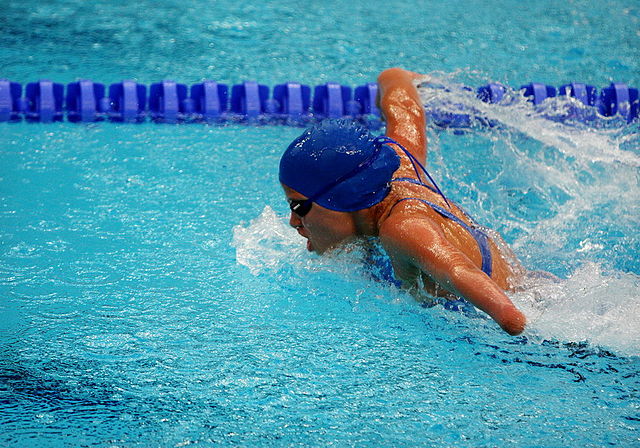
515	322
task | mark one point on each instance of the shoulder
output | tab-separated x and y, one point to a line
408	236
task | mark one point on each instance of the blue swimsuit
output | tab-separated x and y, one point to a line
480	237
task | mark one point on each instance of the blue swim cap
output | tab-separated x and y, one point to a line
340	165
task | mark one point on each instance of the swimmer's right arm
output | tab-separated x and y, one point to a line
418	243
402	109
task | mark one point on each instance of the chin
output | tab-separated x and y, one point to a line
315	248
323	247
327	249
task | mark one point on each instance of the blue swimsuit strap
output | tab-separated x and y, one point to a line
480	237
413	181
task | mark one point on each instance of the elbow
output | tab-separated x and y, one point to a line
390	73
395	76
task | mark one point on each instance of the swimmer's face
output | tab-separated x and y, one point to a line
323	228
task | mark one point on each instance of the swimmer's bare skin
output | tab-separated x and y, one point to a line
423	246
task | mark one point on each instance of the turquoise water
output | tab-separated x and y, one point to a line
506	40
152	293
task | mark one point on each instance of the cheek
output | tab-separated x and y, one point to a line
330	232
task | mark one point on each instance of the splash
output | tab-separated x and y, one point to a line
268	246
440	92
591	305
266	243
582	221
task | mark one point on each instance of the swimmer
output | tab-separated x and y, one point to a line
342	182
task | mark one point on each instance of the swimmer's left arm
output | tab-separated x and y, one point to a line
403	111
421	243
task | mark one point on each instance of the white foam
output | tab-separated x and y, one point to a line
440	92
591	305
266	243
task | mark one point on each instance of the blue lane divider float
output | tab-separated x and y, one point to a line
10	100
618	99
330	100
43	101
127	102
293	101
249	99
209	101
85	101
586	94
168	102
491	93
537	92
290	103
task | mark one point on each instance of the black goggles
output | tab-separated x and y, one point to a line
300	207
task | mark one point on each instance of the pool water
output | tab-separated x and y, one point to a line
152	293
